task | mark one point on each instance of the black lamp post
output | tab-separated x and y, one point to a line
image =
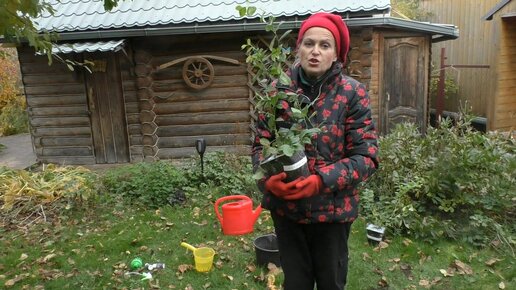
200	145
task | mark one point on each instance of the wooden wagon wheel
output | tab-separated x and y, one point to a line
198	73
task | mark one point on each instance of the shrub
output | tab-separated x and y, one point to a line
453	182
229	173
13	118
149	184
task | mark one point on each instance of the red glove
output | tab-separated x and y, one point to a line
279	188
307	187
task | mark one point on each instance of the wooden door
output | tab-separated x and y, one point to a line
405	82
107	111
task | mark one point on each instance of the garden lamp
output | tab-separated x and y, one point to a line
200	145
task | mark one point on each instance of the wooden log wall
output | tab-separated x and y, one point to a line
173	115
363	63
58	110
132	108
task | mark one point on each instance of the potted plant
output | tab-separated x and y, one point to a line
286	114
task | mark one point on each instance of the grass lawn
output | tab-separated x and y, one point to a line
92	249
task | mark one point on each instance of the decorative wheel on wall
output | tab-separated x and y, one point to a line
198	73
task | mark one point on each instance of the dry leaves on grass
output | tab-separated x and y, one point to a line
457	267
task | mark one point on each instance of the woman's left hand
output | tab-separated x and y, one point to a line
307	187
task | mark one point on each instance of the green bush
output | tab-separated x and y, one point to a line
149	184
453	182
230	173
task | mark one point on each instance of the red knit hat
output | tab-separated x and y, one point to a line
335	25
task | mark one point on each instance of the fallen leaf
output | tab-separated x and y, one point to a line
10	282
381	245
424	283
378	271
270	282
436	280
407	242
462	268
383	282
47	258
196	211
445	273
407	270
183	268
219	264
422	257
492	261
365	256
501	285
23	257
229	277
251	268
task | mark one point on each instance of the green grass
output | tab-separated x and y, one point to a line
92	248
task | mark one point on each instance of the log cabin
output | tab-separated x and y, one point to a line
502	106
167	73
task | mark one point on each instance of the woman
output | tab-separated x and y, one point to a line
313	216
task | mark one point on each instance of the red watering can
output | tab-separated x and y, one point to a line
238	216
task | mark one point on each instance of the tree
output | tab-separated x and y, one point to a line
409	9
17	25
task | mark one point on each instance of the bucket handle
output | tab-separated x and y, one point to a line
226	198
188	246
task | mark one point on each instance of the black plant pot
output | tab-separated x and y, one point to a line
266	250
295	166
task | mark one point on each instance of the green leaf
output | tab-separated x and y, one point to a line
251	10
287	150
284	79
265	142
241	10
297	113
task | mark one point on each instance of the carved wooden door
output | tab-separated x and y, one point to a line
405	82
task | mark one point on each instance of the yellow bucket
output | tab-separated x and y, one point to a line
203	257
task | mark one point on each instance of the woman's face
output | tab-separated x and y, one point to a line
317	51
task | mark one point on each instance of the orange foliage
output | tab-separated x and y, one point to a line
9	78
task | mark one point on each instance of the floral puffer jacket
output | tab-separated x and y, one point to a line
344	153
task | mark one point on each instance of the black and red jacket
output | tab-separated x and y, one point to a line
344	153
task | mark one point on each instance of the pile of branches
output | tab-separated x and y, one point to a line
30	197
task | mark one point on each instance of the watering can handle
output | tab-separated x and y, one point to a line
225	198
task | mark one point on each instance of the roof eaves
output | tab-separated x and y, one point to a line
440	32
491	13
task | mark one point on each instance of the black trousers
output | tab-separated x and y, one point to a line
313	254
